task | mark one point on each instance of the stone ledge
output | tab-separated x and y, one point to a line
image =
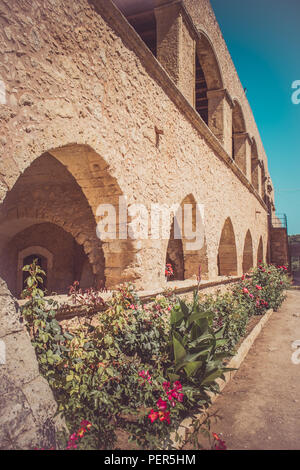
178	287
186	425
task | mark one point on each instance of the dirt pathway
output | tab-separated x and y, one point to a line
260	407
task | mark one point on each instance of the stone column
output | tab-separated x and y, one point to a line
255	173
176	48
242	153
27	404
220	117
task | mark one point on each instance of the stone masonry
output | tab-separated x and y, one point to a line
103	100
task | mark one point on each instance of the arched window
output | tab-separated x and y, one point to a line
189	252
248	253
254	166
260	251
201	101
207	78
26	257
227	254
239	137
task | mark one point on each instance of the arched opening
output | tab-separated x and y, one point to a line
254	166
227	254
263	181
141	16
238	137
260	251
175	255
207	78
57	253
248	253
63	188
201	100
187	253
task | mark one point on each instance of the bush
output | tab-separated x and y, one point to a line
138	368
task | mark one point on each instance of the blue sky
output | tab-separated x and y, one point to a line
263	38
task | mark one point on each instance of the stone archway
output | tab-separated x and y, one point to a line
209	89
239	137
248	253
189	252
255	166
227	254
65	186
260	251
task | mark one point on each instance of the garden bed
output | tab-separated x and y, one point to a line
139	370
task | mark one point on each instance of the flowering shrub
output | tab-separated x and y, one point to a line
169	271
142	368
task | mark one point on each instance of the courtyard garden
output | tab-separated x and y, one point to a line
133	372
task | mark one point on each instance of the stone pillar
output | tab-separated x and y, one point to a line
176	48
255	173
27	404
242	153
220	117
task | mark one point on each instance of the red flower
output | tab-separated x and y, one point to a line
219	444
161	404
245	290
258	287
164	416
153	415
146	376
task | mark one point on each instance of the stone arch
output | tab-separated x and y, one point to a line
51	181
189	252
209	62
239	137
260	251
248	253
254	166
263	180
207	76
227	253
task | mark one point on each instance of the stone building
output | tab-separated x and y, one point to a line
138	100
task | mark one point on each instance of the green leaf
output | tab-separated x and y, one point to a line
192	367
179	351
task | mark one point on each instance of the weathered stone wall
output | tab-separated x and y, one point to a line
82	87
27	406
279	246
113	105
205	20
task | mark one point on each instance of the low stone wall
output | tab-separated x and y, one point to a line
27	405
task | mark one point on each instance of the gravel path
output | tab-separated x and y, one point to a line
260	407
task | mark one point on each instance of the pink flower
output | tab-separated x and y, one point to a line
166	386
164	416
251	295
153	415
177	385
146	376
245	290
132	306
258	287
161	404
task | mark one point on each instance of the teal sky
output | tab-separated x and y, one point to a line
263	38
